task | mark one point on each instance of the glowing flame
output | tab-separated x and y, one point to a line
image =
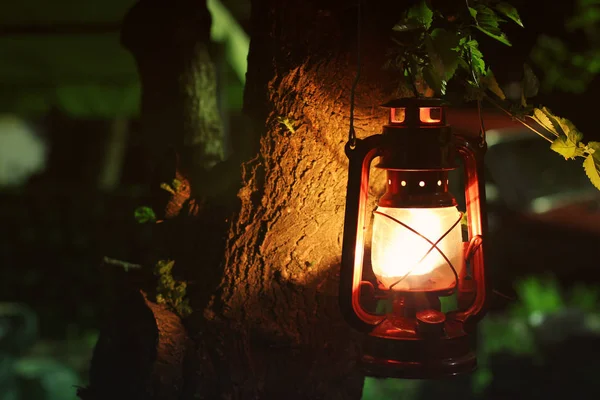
408	261
425	115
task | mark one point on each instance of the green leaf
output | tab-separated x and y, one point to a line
471	47
568	146
442	48
562	146
418	17
163	267
176	184
288	123
500	36
170	291
490	83
434	79
565	128
488	22
595	146
592	169
542	118
531	84
569	137
473	13
560	127
144	214
167	187
510	12
421	13
573	133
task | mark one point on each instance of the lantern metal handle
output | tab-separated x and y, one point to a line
360	157
472	155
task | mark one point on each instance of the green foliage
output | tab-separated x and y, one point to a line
170	291
89	76
288	123
144	214
471	56
488	22
584	297
531	83
434	47
591	164
397	389
173	187
442	49
515	333
566	147
568	142
566	68
419	16
510	12
538	296
490	83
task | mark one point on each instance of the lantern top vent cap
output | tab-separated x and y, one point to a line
410	102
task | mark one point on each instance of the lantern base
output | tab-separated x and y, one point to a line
411	356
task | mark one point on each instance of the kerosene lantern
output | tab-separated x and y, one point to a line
418	252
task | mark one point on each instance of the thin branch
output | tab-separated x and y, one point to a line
123	264
494	103
481	125
552	132
505	296
478	83
411	78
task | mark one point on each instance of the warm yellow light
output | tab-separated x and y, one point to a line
430	115
400	256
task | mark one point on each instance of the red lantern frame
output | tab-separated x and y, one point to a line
415	340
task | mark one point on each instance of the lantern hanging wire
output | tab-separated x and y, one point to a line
352	133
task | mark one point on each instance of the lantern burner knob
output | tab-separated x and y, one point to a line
430	322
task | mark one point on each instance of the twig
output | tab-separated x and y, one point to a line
118	263
481	126
411	78
554	133
476	80
505	296
494	103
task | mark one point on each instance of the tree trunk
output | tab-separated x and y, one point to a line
179	115
266	323
280	285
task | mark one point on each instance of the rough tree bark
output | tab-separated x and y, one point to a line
278	297
266	323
